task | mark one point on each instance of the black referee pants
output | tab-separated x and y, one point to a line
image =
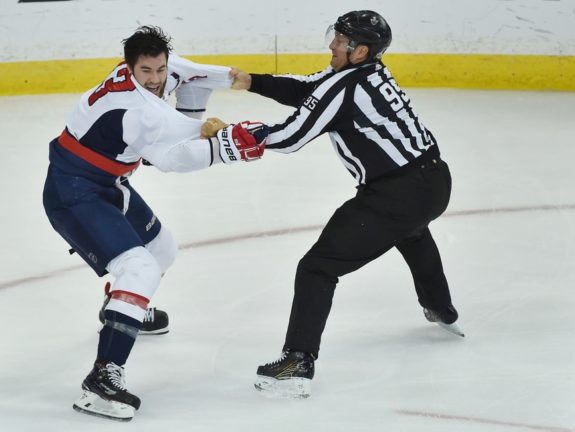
391	212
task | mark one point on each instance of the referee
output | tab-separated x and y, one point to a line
403	186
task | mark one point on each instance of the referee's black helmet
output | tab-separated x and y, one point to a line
365	27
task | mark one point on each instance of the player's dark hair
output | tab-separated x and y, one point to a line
148	41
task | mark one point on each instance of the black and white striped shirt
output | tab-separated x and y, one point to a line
369	119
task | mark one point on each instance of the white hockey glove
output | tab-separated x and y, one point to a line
244	141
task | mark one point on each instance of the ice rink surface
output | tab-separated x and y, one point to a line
507	242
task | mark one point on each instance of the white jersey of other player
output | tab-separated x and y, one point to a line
123	121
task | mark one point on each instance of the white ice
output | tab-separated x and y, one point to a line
507	242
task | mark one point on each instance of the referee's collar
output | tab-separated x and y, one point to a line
361	65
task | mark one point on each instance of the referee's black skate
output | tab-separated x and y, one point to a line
444	318
288	377
104	393
155	322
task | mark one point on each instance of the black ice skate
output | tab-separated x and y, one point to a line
155	321
105	395
445	318
288	377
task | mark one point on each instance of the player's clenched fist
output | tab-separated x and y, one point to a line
211	126
244	141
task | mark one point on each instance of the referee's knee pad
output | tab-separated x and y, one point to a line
308	263
312	266
136	271
164	248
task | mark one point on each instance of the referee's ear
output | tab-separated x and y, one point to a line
359	54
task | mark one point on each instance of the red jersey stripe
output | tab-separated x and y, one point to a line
74	146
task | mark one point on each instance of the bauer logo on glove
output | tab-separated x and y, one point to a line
243	141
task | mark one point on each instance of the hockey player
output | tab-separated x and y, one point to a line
403	186
91	204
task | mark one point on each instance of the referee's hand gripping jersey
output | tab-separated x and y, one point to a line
403	186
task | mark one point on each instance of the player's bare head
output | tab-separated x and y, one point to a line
147	41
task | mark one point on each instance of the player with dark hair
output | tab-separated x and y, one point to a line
403	186
147	40
91	204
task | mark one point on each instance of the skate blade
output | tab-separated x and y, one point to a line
451	328
147	333
293	388
154	332
91	403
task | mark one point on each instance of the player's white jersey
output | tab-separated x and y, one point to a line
123	122
193	84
